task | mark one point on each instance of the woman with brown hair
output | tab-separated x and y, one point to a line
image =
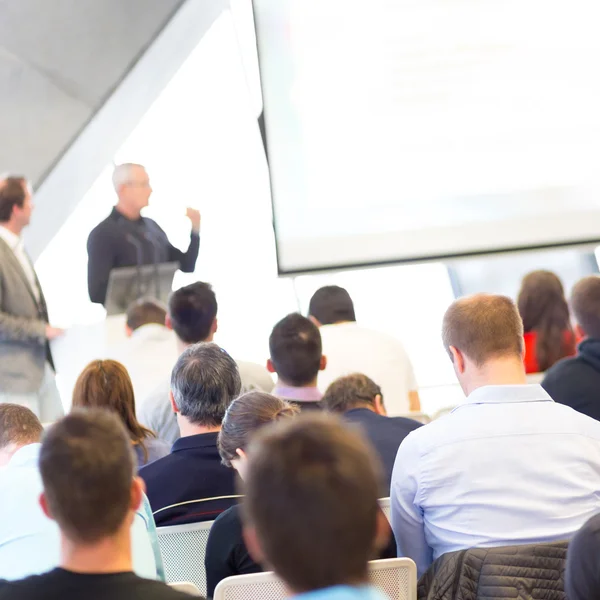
546	321
226	553
106	384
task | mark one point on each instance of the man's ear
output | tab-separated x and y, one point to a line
323	363
173	403
43	501
379	406
458	359
252	544
270	366
138	489
215	326
128	331
580	334
168	322
314	320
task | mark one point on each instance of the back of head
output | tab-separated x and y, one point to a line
12	193
145	311
245	416
585	302
192	311
311	499
106	384
204	382
18	427
296	350
543	309
87	468
331	304
484	327
350	392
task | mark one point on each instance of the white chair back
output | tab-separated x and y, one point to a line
386	508
187	587
396	577
183	548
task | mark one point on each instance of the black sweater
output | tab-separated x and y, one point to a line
120	242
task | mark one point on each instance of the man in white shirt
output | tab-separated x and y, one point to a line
353	349
192	315
29	541
150	350
26	369
508	466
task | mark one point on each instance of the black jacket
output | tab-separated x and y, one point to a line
576	381
120	242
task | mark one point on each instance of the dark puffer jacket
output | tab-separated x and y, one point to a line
529	572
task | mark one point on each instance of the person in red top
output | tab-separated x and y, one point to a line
543	307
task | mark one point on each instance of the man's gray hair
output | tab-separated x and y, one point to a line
124	174
204	382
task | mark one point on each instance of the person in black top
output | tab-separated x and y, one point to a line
576	381
126	239
226	553
360	401
87	468
582	574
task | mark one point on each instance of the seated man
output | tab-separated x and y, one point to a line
191	484
353	349
310	511
29	541
582	574
509	466
192	315
296	357
360	401
150	350
575	381
89	489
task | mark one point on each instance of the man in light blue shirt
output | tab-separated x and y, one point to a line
508	466
29	541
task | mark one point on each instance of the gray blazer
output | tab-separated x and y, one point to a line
23	345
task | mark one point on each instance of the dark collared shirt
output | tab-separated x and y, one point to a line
193	471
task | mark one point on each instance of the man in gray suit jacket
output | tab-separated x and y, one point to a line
26	369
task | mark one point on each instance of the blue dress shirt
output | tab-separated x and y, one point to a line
344	592
509	466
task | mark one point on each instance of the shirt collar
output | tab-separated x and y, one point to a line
27	456
504	394
200	440
12	239
298	394
151	331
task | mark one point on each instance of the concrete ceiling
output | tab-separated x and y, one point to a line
60	60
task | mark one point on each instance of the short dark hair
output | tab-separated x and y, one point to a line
349	392
192	310
585	302
244	416
18	425
145	311
204	382
331	304
311	495
87	467
483	326
296	349
12	193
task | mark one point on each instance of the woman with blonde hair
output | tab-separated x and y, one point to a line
106	384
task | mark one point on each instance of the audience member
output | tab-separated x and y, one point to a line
297	358
359	400
192	314
351	348
508	466
576	381
226	553
311	511
191	484
150	350
106	384
546	321
582	574
90	491
26	366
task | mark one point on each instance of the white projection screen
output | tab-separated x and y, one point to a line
403	130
